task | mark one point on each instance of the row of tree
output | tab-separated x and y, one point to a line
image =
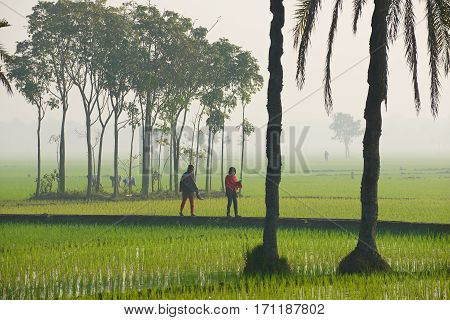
131	66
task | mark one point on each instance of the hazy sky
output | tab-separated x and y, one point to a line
246	23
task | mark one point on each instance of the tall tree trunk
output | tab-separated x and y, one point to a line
99	160
207	161
146	149
198	145
62	155
89	154
175	157
273	150
222	178
211	162
130	166
116	154
365	257
159	167
170	162
38	180
243	146
152	174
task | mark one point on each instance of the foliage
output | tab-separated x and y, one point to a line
345	128
3	57
48	180
438	42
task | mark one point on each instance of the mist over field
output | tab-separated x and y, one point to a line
404	133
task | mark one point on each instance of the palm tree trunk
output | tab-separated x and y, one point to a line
265	258
365	257
273	150
38	180
130	165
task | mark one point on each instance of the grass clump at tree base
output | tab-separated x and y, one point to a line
256	263
360	261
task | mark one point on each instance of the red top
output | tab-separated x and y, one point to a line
231	182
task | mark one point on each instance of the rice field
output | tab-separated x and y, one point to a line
186	262
171	261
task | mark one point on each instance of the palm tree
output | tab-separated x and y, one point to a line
265	258
387	17
4	56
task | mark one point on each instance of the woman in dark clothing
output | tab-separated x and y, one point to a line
188	188
232	186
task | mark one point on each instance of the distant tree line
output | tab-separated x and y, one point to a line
132	66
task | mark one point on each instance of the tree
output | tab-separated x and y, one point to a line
149	28
4	56
119	62
31	79
48	32
345	129
386	19
185	67
265	258
86	55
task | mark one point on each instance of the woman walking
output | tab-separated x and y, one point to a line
188	188
232	187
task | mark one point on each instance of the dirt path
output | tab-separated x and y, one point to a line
335	224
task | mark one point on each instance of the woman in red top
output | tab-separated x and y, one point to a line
232	186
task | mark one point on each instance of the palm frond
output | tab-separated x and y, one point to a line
3	54
434	49
393	18
327	78
5	82
443	6
357	10
411	47
305	17
300	17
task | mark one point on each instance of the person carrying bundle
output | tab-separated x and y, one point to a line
232	187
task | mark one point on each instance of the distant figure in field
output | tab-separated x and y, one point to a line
327	155
353	174
232	186
188	188
119	178
129	181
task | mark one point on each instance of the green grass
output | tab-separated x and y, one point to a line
186	262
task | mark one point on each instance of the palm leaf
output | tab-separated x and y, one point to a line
443	6
411	47
393	19
5	82
435	45
357	10
327	78
305	16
